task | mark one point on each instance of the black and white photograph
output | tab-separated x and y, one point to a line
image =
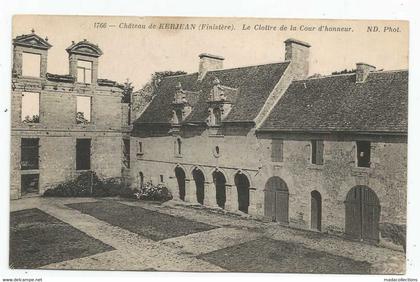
208	145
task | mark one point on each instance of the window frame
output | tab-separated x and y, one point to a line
178	147
80	161
90	121
39	108
317	152
359	146
30	148
126	152
277	158
84	69
23	64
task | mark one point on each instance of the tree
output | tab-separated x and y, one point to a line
127	91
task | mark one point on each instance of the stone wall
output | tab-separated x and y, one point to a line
334	179
57	131
241	151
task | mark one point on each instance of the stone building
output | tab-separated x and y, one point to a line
325	153
63	125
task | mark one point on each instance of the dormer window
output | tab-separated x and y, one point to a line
217	116
31	64
84	71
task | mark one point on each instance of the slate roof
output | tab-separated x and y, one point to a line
338	103
249	89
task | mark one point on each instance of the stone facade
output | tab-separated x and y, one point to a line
57	129
244	149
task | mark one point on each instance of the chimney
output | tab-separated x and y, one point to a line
362	71
209	62
297	52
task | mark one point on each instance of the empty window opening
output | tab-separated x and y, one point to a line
317	152
83	154
161	178
83	109
29	153
30	107
217	150
277	150
126	152
29	184
84	71
217	116
179	116
31	64
178	147
140	148
363	153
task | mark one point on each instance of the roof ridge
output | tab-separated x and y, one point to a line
351	73
250	66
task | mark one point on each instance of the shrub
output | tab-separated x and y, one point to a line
394	232
154	192
88	184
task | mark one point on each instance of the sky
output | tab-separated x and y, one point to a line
135	54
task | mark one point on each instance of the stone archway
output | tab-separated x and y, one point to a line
180	177
198	177
242	186
220	183
362	214
276	200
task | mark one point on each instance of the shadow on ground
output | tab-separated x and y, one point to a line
279	256
38	239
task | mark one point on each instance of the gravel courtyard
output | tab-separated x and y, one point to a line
115	234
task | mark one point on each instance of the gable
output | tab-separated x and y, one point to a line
85	48
32	41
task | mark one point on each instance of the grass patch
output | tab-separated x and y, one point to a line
150	224
38	239
267	255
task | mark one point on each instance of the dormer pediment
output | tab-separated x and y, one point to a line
32	41
85	48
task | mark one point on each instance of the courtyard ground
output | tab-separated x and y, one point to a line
115	234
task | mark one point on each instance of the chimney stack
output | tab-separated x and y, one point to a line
209	62
362	71
297	52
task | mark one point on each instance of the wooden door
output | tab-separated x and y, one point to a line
276	200
269	205
316	210
362	214
282	206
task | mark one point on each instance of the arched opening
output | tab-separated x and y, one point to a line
180	177
316	210
141	180
198	177
362	214
242	186
220	183
276	200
